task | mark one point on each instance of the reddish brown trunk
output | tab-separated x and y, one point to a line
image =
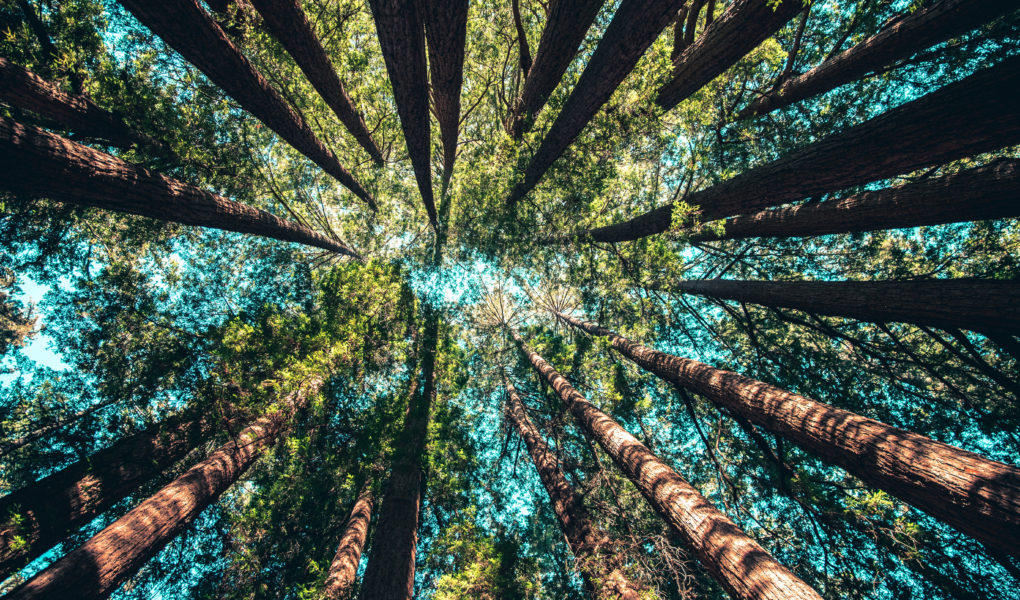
980	497
37	163
446	31
911	34
736	561
289	25
343	571
188	29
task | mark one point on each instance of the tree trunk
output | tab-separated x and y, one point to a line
736	561
446	32
343	571
977	114
914	32
692	21
402	38
984	305
289	25
678	34
980	497
522	39
594	552
565	27
635	25
988	192
38	163
188	29
739	29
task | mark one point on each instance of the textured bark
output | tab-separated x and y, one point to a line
984	305
289	25
903	38
39	163
980	497
635	25
974	115
191	31
736	561
344	569
739	29
398	24
989	192
446	32
594	552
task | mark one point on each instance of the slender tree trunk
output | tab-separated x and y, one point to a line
446	32
343	571
289	25
692	21
920	29
635	25
402	38
739	29
980	497
710	13
736	561
594	552
190	30
678	34
39	163
984	305
522	39
988	192
977	114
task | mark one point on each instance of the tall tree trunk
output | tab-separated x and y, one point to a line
565	27
984	305
191	31
692	21
974	115
344	569
980	497
678	34
398	24
289	25
739	29
635	25
522	39
594	552
38	163
736	561
446	32
988	192
920	29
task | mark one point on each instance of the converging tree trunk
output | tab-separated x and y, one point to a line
38	163
736	561
344	569
446	32
980	497
191	31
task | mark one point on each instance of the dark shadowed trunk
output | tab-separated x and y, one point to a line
343	571
445	32
38	163
678	34
736	561
692	21
190	30
980	497
524	52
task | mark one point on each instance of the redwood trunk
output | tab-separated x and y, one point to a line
343	571
289	25
911	34
39	163
736	561
446	32
190	30
977	114
635	25
980	497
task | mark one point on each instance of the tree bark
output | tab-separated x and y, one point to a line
678	34
974	115
739	29
190	30
522	39
737	562
398	24
635	25
343	571
39	163
446	32
289	25
905	37
692	22
978	496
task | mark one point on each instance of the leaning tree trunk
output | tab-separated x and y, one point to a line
920	29
988	192
38	163
739	29
524	52
736	561
980	497
446	32
974	115
594	552
985	305
635	25
398	24
190	30
692	21
566	24
343	571
289	25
